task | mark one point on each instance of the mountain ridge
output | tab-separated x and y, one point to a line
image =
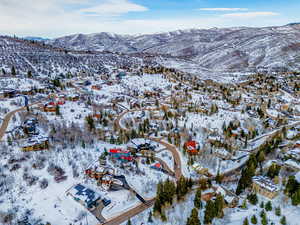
215	48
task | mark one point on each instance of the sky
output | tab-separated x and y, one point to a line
56	18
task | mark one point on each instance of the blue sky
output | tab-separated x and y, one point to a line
53	18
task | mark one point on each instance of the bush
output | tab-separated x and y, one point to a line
44	183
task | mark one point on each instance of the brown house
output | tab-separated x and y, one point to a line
35	144
265	186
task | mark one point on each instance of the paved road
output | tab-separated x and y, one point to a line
149	203
130	213
7	118
175	153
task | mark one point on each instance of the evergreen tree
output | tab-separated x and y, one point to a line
268	206
277	211
157	206
246	221
263	216
90	122
219	178
57	111
283	220
129	222
150	220
29	74
219	205
273	170
252	198
193	219
244	204
264	220
197	200
247	173
13	71
296	197
182	187
291	186
9	141
292	189
209	212
253	219
262	205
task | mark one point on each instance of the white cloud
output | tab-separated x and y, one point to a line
53	18
248	15
113	7
223	9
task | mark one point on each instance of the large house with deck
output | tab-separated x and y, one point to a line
265	186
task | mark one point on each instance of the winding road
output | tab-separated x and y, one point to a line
149	203
8	117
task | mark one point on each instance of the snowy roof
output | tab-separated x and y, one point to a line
229	198
221	191
222	152
7	90
266	183
34	140
292	163
85	194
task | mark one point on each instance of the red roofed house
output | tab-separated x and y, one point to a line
157	166
121	154
49	107
192	147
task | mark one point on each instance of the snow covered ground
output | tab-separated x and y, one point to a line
18	83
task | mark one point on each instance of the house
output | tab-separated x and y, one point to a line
230	198
121	75
214	138
97	116
7	93
87	197
120	154
74	97
292	164
29	126
87	83
200	170
49	107
265	186
96	87
192	147
26	91
292	154
157	166
145	146
60	102
36	143
222	153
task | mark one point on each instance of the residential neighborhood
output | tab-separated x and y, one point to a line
143	143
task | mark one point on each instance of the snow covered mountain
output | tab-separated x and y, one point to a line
44	60
218	49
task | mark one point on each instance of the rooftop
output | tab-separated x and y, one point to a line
266	183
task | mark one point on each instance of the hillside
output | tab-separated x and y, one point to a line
44	60
218	49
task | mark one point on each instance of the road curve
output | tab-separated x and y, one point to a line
141	207
6	120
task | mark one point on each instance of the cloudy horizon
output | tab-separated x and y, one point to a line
55	18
